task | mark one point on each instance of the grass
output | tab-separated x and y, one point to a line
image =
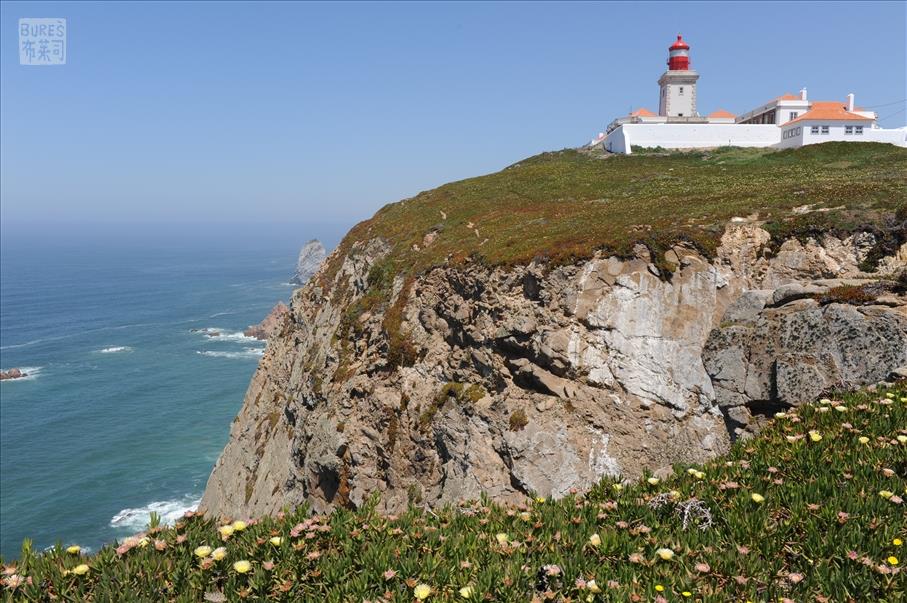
810	510
563	206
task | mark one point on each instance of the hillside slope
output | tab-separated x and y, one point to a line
540	328
810	510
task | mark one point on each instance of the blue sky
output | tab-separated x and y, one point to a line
297	113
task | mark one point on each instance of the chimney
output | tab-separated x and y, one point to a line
850	102
802	93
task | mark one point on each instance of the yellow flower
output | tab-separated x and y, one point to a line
699	475
863	440
144	542
665	554
902	439
617	487
593	586
659	588
219	553
595	540
674	494
757	498
276	540
897	542
82	569
780	415
225	531
502	538
466	592
891	560
653	481
74	549
539	500
525	516
815	436
202	551
238	525
889	395
886	493
242	566
824	401
422	591
687	593
841	408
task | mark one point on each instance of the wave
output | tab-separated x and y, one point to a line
215	334
136	520
115	349
31	373
245	353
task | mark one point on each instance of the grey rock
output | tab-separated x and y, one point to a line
310	258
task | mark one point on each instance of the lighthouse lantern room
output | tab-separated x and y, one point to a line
678	83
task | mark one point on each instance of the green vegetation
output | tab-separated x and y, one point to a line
810	510
452	391
563	206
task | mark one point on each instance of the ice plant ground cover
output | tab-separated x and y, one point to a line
810	510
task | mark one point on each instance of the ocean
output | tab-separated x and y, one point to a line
128	400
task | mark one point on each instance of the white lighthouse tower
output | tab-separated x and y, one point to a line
678	83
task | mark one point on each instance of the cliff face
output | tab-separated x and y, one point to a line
310	257
528	379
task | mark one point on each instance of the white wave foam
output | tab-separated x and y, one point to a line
115	349
31	373
245	353
136	520
215	334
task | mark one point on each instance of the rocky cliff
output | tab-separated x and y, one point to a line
310	258
539	378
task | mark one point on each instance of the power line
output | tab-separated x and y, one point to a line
892	114
886	104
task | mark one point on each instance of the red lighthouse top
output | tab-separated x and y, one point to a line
679	55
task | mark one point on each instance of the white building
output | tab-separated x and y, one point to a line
784	122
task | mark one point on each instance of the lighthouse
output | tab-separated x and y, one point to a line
678	83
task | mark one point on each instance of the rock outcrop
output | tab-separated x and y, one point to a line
781	348
533	379
270	325
310	258
13	373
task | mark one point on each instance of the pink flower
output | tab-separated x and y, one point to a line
180	538
852	555
389	574
580	583
703	567
268	565
160	544
313	555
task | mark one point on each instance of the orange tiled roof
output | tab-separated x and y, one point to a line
722	113
641	112
788	96
833	110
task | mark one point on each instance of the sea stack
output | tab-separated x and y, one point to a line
310	258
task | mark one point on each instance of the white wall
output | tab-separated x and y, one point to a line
836	132
691	136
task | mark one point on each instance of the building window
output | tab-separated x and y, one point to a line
681	90
814	130
848	129
794	114
859	130
825	129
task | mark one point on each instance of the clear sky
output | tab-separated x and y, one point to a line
300	112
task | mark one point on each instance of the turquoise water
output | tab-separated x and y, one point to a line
126	408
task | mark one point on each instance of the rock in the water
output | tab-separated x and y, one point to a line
310	258
271	323
12	373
